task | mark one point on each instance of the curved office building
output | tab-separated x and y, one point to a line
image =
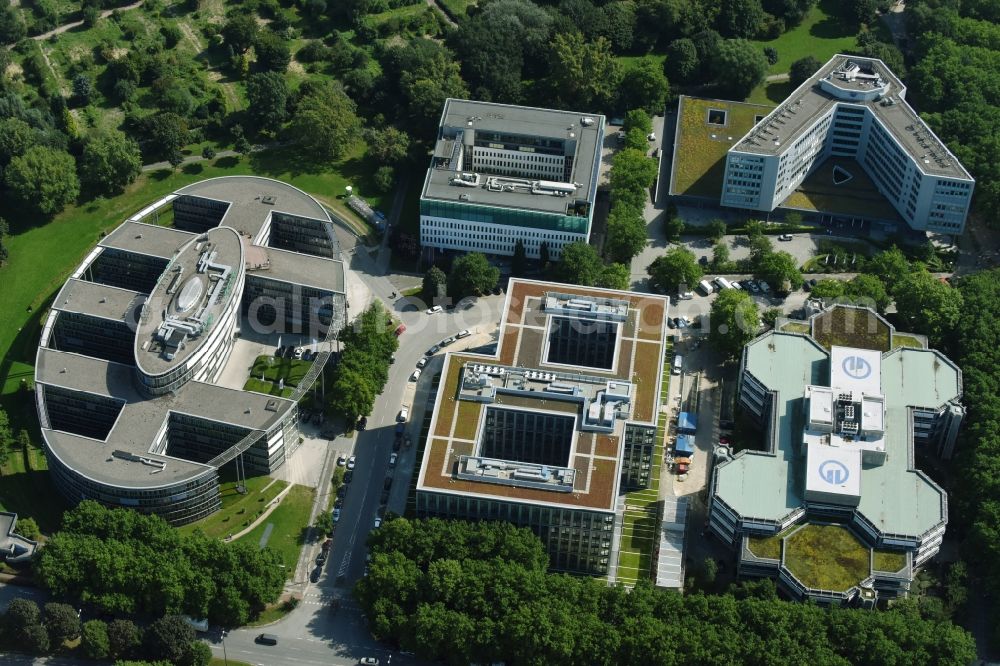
126	372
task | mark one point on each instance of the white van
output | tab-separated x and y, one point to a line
678	364
706	287
723	283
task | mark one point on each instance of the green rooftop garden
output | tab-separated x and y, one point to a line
795	327
850	327
905	340
702	159
769	547
826	557
856	196
888	560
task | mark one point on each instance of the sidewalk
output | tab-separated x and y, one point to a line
271	506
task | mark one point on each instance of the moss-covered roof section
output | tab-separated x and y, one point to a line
844	326
826	557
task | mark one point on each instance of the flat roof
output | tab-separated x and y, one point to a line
595	456
141	418
856	369
811	100
894	497
151	239
195	288
304	269
460	114
99	300
247	197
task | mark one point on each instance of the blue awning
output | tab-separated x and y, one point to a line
685	444
687	422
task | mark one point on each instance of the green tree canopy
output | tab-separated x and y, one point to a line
167	638
62	622
675	271
740	18
472	275
735	321
582	74
12	26
240	31
325	123
94	640
802	69
434	284
626	234
828	288
637	118
581	264
779	269
644	87
738	67
928	305
42	180
868	290
388	145
273	52
632	174
110	161
682	63
717	230
890	266
720	255
267	97
123	638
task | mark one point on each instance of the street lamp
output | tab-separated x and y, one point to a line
225	657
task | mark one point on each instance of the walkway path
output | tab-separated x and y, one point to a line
271	506
776	77
447	17
190	159
69	26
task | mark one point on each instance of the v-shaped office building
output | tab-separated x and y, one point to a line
851	109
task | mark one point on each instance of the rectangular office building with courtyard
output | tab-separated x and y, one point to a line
541	433
502	174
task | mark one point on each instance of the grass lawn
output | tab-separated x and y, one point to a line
826	557
631	62
290	521
821	34
795	327
272	613
704	146
770	92
237	507
458	7
292	370
904	340
267	388
849	327
888	560
227	662
27	490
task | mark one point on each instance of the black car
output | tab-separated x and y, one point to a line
396	442
670	323
321	558
341	491
497	290
450	306
279	352
314	576
266	639
339	502
362	423
387	483
348	476
703	260
385	497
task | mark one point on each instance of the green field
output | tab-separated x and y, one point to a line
238	509
458	7
291	521
827	557
821	34
704	146
27	490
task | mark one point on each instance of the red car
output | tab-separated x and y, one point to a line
399	330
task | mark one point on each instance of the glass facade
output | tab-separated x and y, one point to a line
198	214
85	414
302	234
587	343
93	336
639	444
531	437
126	270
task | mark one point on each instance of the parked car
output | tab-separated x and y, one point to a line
341	491
433	350
392	459
422	362
385	497
314	577
446	342
348	476
404	414
341	460
685	296
785	237
387	484
338	503
336	515
321	558
378	522
703	260
397	442
362	423
464	333
351	462
434	310
369	661
416	375
399	330
279	352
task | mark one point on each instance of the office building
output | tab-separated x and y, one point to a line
551	429
835	507
503	173
126	370
853	114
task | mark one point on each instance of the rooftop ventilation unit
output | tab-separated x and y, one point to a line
268	199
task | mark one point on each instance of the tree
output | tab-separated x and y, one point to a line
27	527
928	305
167	638
123	638
638	119
273	53
472	275
12	27
208	152
675	271
735	320
682	63
771	54
740	18
828	289
388	146
434	284
196	654
165	134
324	523
352	394
779	269
632	174
62	622
240	31
384	178
644	87
771	316
325	123
83	89
35	639
614	276
738	67
720	255
579	264
863	11
110	161
6	438
626	234
890	266
802	69
519	262
868	290
582	74
267	97
425	74
42	180
16	136
717	230
94	640
543	253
